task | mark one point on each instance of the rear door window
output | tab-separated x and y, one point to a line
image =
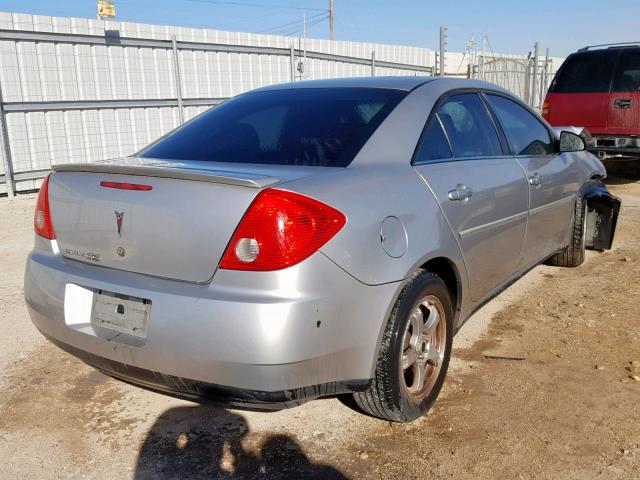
525	133
627	78
323	127
433	144
469	127
588	72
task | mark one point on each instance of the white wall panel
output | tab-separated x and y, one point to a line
51	72
74	129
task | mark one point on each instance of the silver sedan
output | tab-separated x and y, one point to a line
310	239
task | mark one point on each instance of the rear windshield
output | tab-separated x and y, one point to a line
307	126
588	72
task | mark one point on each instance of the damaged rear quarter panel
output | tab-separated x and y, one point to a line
602	215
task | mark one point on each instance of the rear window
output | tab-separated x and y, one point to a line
307	126
589	72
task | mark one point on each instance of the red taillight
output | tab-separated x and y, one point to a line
127	186
42	220
280	229
545	110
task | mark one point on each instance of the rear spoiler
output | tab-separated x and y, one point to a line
172	170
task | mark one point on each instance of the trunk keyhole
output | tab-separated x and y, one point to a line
120	309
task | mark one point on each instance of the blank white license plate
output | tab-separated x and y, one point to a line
128	315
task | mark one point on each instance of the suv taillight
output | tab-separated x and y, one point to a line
280	229
545	110
42	220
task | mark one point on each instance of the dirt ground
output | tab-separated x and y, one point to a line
569	409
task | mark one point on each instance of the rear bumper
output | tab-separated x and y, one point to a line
615	147
251	338
203	392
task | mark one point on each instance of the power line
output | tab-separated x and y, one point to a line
259	5
310	24
290	24
275	30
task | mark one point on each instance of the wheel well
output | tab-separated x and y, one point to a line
446	270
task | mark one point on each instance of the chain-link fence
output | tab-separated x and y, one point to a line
526	76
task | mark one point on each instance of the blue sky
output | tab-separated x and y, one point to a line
511	26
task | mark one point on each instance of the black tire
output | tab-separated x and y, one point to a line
573	255
388	397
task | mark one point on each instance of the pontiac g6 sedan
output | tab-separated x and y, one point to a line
310	239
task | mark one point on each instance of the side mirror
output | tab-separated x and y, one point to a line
570	142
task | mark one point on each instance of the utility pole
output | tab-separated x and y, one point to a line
443	47
332	34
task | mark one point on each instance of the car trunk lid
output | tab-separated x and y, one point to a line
178	227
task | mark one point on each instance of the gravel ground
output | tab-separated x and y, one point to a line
568	410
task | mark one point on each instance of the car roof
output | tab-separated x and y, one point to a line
610	46
395	83
405	83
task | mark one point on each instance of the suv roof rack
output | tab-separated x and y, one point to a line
611	45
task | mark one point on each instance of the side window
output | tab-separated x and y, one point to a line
525	133
469	127
433	144
627	78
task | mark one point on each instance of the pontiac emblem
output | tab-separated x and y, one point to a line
119	216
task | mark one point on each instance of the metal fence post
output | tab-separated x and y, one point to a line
527	82
545	77
443	42
292	62
176	71
534	80
373	63
6	150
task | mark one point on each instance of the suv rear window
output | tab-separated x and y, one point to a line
301	126
588	72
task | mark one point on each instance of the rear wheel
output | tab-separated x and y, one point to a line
414	354
573	255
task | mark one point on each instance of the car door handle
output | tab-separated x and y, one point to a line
460	194
623	103
535	180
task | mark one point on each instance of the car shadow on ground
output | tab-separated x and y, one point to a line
210	442
620	173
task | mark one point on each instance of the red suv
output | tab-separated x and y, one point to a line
599	88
